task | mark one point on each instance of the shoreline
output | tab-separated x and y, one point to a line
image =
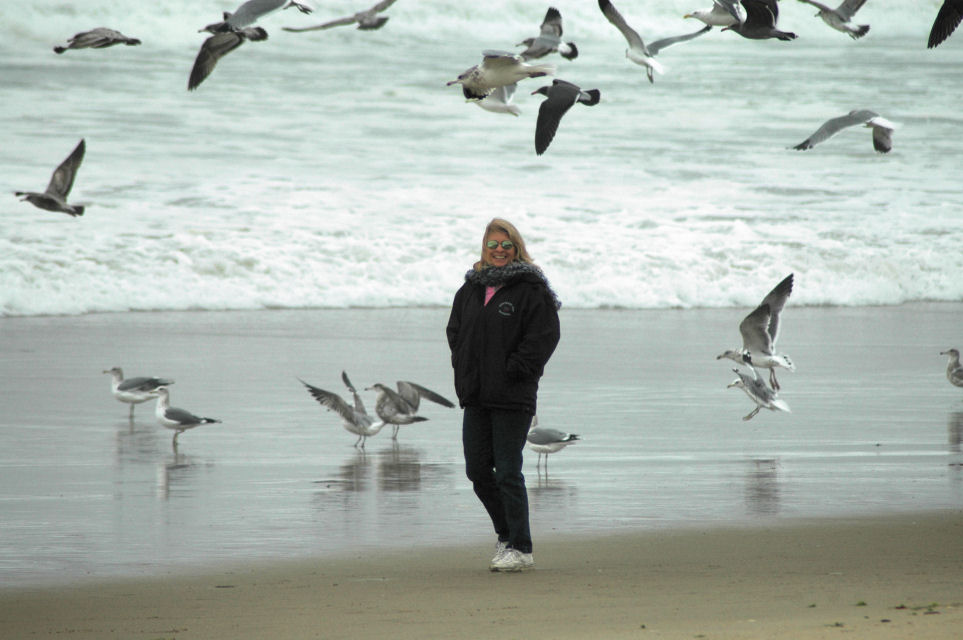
865	577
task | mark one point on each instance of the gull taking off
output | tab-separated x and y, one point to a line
216	47
839	18
549	39
355	419
559	98
55	196
98	38
760	330
882	129
134	390
760	22
758	392
638	52
398	408
722	14
497	69
252	11
546	441
954	371
180	420
368	20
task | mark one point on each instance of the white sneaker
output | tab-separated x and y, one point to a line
513	560
501	548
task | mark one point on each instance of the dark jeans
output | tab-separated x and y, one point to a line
493	441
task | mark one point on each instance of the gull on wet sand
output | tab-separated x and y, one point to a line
758	392
760	330
355	419
497	69
722	14
549	39
638	52
54	198
760	22
216	47
400	407
179	420
500	100
559	98
252	11
954	370
545	441
882	129
840	17
368	20
948	18
134	390
98	38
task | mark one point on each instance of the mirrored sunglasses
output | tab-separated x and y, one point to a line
506	244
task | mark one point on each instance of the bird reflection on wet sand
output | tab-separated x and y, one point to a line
762	487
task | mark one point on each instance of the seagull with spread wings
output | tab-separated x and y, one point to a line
840	17
368	20
882	130
54	198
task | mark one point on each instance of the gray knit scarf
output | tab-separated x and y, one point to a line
497	276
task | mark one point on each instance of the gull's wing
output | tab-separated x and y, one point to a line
381	6
755	331
427	394
540	435
776	300
761	13
143	384
849	8
819	5
494	58
182	416
613	15
559	99
552	24
331	401
327	25
218	45
733	7
947	20
658	45
834	125
882	134
358	404
63	176
250	11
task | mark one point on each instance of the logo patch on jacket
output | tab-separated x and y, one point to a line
506	308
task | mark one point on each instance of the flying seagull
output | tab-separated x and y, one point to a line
760	330
398	408
546	441
55	196
252	11
758	392
947	20
355	419
134	390
180	420
497	69
500	100
549	39
722	14
839	18
368	20
559	98
882	129
954	371
638	52
760	22
216	47
97	39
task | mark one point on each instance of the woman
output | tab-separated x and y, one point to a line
502	330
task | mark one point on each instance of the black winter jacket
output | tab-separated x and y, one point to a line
499	350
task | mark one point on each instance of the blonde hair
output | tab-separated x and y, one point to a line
506	227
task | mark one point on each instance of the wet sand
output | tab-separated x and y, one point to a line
869	578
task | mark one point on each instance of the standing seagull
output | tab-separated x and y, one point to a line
368	20
216	47
638	52
546	441
55	197
134	390
882	129
758	392
497	69
549	40
180	420
560	97
947	20
500	100
760	330
252	11
760	22
722	14
954	371
356	419
97	39
839	17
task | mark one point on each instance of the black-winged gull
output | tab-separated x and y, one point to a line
399	407
722	14
98	38
368	20
882	129
549	39
179	420
500	100
560	96
760	330
638	52
251	11
134	390
544	441
55	196
840	17
354	419
760	22
758	392
497	69
954	370
216	47
948	18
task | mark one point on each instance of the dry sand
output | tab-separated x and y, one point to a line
883	577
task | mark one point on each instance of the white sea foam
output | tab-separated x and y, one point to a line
335	168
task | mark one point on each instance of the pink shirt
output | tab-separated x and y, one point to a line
490	291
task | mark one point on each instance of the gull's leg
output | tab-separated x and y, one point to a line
752	414
772	379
